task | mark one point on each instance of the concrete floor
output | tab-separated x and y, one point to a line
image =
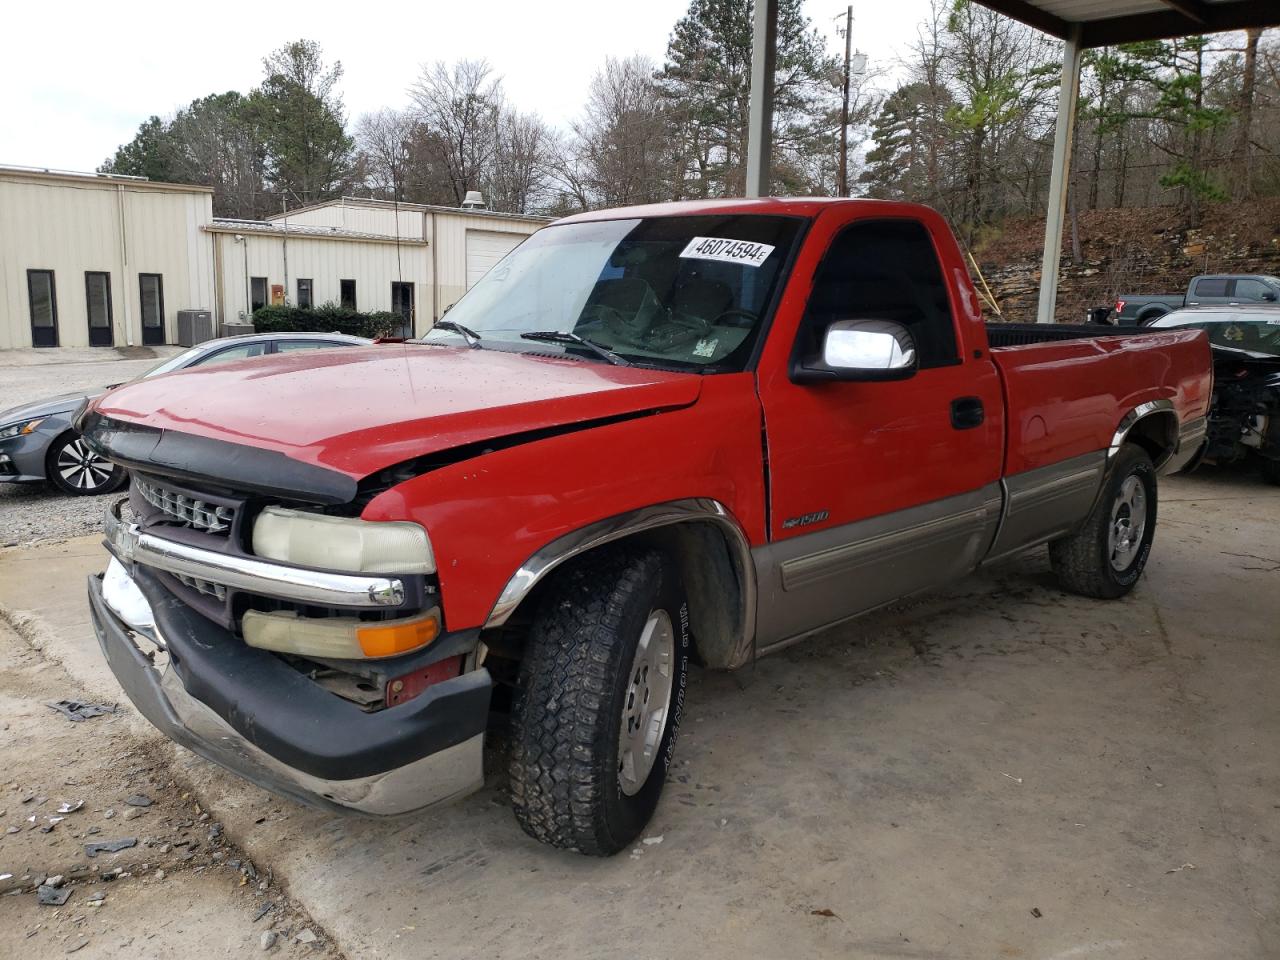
998	770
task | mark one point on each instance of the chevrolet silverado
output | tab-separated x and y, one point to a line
649	437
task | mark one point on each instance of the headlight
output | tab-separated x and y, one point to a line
342	543
340	638
17	429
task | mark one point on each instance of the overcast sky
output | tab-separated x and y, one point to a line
87	74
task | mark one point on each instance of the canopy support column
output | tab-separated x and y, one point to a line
1059	177
764	55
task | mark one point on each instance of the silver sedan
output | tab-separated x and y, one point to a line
38	443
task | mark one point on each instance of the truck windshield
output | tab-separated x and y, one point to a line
680	292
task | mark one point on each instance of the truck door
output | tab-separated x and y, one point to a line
877	488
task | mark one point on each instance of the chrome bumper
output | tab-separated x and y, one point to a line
140	658
245	573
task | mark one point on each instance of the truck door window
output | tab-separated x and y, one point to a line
884	270
1213	287
1249	289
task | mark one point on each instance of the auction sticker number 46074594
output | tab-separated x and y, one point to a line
727	251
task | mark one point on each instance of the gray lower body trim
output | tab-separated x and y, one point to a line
1047	502
812	581
1191	437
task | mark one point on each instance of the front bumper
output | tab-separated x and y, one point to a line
250	712
22	457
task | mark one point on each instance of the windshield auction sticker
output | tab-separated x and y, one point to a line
727	251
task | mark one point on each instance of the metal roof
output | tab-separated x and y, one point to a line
406	207
1104	22
304	231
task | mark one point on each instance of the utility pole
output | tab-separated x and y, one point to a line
844	106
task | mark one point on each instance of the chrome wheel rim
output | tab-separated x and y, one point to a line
646	703
81	468
1128	524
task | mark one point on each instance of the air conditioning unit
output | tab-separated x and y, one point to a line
236	329
194	326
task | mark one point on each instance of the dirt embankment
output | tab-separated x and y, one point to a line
1146	251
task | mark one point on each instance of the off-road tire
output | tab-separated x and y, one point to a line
68	450
568	708
1082	560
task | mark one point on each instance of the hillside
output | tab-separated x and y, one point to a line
1147	250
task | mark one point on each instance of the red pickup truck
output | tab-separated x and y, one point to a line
650	437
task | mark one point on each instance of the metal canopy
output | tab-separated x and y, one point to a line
1105	22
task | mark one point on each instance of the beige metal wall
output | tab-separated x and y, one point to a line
359	219
449	233
373	265
74	224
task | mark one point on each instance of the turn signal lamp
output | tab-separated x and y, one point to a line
339	638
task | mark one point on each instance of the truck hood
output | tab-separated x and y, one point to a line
361	410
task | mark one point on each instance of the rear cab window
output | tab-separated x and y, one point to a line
1212	287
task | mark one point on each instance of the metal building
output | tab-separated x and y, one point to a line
92	260
99	261
406	258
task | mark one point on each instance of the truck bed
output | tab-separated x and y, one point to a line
1067	386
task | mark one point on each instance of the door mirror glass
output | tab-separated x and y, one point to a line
868	346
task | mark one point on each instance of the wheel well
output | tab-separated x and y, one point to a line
713	576
1149	315
52	448
1156	433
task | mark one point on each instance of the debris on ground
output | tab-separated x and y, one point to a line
48	896
267	940
138	800
305	936
110	846
1185	866
824	912
133	813
263	911
70	806
1035	912
82	942
80	710
650	841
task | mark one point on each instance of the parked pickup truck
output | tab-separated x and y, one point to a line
1136	309
649	437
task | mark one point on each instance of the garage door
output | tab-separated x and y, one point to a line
484	249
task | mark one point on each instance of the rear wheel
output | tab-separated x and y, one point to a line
75	469
1107	555
599	701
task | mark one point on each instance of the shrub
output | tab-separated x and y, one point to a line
326	318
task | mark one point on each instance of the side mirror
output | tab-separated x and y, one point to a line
1269	297
854	350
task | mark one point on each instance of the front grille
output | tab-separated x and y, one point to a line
209	589
187	510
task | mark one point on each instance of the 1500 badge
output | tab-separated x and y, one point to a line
817	517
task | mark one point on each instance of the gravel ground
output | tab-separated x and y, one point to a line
29	513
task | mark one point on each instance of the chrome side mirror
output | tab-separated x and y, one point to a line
861	350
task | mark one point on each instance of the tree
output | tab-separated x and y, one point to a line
706	84
909	138
460	107
621	150
149	154
300	113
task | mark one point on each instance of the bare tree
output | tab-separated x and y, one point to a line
460	106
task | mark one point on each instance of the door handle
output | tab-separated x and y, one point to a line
967	413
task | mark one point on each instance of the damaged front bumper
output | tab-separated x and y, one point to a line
250	712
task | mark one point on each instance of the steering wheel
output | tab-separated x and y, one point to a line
739	313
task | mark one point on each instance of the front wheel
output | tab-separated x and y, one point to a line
599	701
1106	556
75	469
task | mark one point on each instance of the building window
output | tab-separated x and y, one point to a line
151	296
43	299
347	295
258	293
97	296
304	292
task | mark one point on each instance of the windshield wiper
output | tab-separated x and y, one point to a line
567	336
473	339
